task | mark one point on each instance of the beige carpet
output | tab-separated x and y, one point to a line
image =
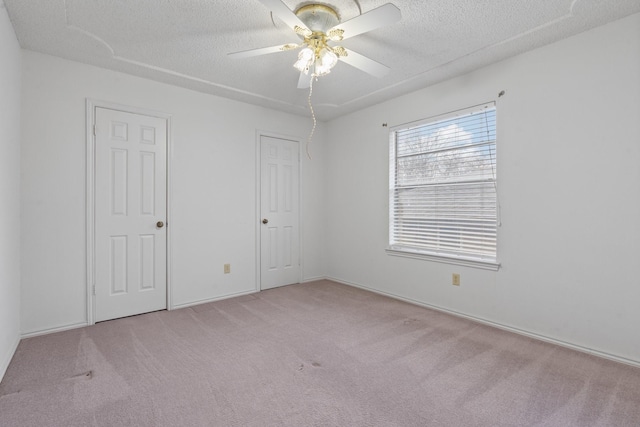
317	354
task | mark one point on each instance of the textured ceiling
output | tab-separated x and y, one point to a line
186	42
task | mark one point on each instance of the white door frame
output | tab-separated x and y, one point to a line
259	135
91	105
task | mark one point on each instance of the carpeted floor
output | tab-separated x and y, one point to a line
316	354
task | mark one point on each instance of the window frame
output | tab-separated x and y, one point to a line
404	250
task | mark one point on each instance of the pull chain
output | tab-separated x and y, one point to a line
313	115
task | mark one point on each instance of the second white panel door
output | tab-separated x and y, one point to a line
279	194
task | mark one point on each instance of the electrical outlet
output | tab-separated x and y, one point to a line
227	268
455	279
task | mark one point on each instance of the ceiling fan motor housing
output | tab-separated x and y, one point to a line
319	18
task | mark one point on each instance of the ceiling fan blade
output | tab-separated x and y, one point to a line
304	81
365	64
384	15
262	51
284	13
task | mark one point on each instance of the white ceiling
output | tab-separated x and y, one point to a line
185	43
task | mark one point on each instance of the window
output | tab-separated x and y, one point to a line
443	201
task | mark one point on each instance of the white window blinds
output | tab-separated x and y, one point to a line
443	186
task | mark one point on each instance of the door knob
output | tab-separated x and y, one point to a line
159	224
265	221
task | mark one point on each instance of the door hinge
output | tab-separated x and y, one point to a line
94	130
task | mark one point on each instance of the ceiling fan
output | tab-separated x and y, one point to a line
320	28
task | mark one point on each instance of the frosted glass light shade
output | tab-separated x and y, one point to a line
305	59
325	62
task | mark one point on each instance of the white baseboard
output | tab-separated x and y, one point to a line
313	279
4	362
54	330
239	294
204	301
533	335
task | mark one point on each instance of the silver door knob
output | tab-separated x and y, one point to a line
265	221
159	224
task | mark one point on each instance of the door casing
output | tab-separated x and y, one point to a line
258	218
91	105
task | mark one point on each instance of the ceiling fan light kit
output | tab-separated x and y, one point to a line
322	57
319	19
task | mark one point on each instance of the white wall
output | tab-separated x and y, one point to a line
569	168
9	190
213	186
569	177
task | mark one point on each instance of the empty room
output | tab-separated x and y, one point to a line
341	213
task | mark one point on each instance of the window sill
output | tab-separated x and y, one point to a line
467	262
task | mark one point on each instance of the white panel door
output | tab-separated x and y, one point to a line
279	237
130	214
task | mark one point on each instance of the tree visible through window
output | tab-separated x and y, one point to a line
443	186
